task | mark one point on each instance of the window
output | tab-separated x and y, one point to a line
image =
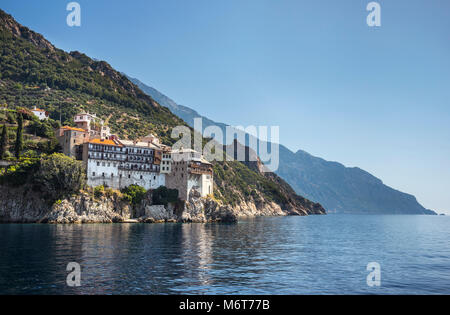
112	175
98	163
93	173
103	174
103	163
141	177
129	176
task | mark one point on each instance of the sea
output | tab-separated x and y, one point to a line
330	254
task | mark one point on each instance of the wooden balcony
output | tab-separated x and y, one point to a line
200	168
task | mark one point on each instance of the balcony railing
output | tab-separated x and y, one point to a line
140	154
199	169
121	157
106	149
107	158
138	169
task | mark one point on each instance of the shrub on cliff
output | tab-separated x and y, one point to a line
3	141
162	196
134	194
18	147
60	175
19	173
98	191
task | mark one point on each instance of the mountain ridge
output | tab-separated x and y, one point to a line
36	73
340	189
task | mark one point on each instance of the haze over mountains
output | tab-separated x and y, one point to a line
338	188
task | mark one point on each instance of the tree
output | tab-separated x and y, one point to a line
19	136
163	196
60	175
3	142
135	192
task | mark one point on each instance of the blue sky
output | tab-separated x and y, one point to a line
376	98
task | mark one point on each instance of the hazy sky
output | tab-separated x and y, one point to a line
377	98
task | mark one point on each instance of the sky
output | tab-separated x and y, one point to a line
373	97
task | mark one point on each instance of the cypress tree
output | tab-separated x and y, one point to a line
3	142
19	138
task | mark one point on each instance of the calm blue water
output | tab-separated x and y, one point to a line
289	255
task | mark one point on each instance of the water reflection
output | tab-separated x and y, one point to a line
260	256
196	255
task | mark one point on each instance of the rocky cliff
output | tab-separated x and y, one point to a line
20	206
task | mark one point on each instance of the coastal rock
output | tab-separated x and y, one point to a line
85	209
201	210
196	210
158	212
17	205
22	205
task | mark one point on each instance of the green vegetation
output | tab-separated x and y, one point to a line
55	175
60	175
163	196
34	138
3	142
44	129
65	83
19	136
20	173
109	192
35	73
134	194
235	181
98	191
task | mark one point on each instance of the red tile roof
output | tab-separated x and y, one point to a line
38	110
104	142
73	129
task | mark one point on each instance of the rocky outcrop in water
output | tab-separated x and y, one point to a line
17	205
196	209
86	209
202	210
20	206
